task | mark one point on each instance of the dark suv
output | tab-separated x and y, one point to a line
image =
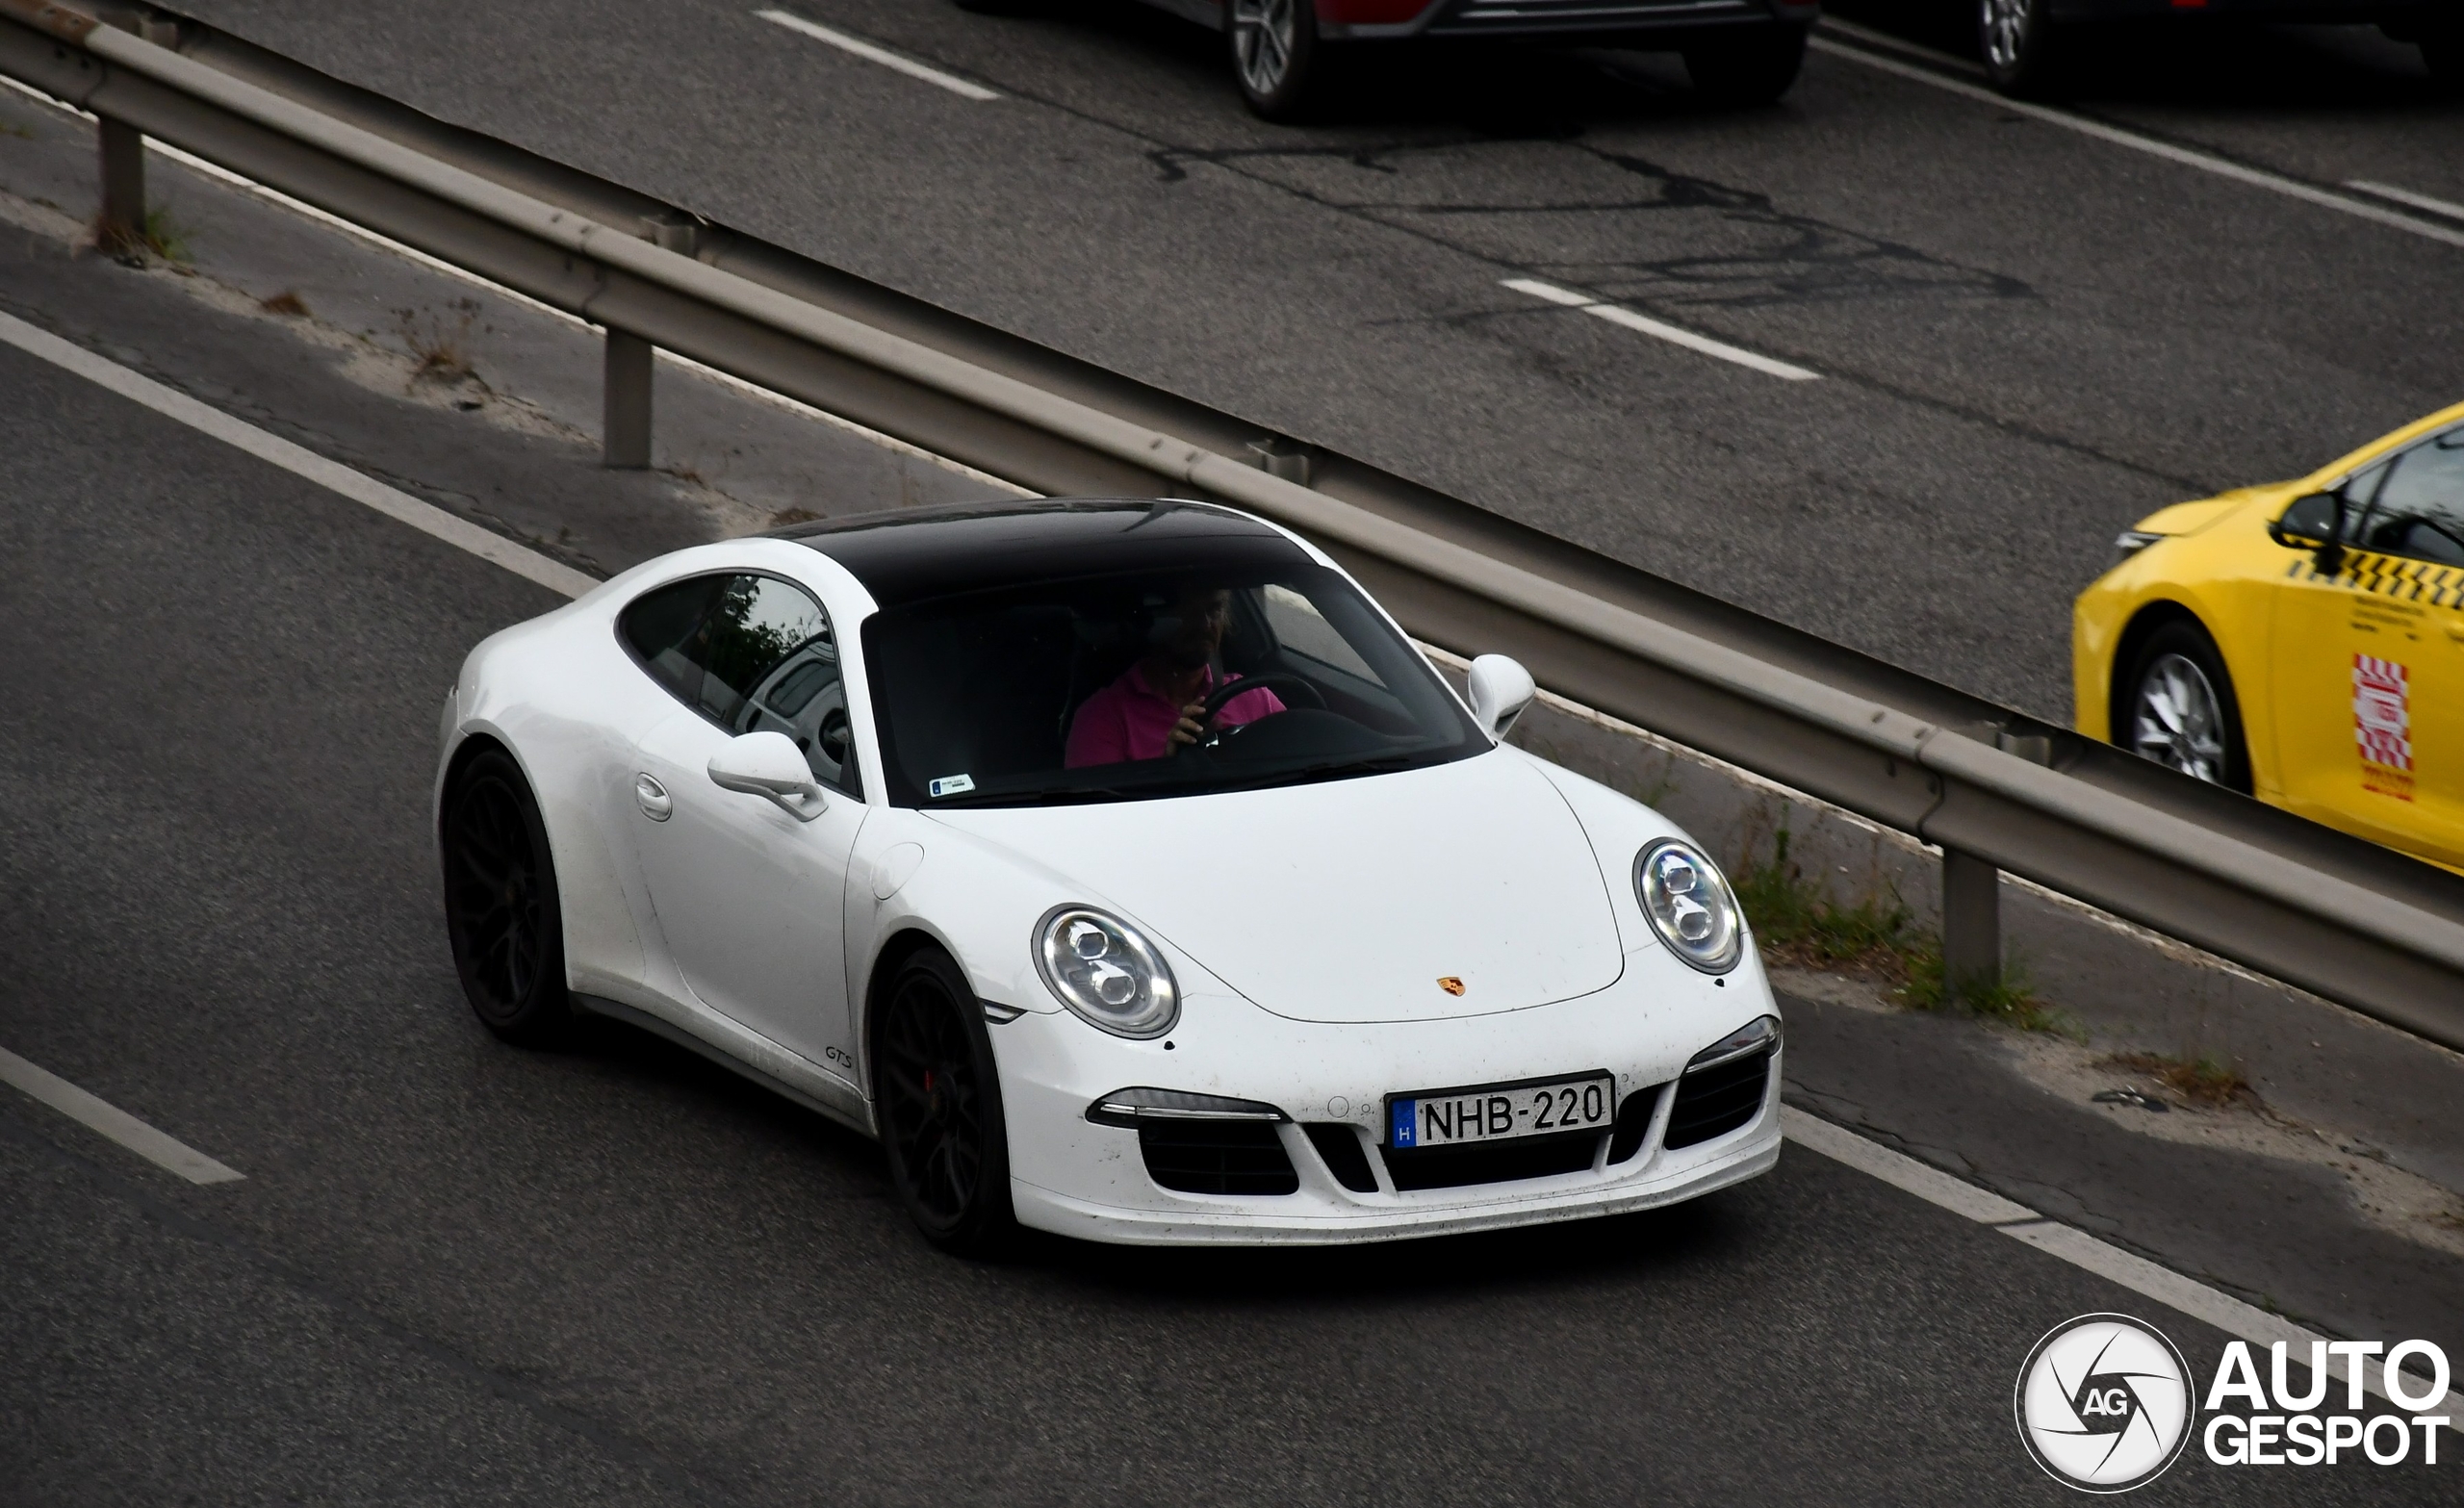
1738	51
2027	43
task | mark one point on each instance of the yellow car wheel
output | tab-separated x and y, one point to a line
2177	707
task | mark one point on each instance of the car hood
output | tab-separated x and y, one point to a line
1349	899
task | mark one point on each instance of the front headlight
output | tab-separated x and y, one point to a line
2129	543
1106	971
1689	906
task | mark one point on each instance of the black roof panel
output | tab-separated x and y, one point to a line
911	554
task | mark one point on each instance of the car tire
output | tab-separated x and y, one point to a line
502	911
2177	707
1277	59
999	7
937	1096
2023	49
1748	65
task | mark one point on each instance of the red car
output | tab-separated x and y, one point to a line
1738	51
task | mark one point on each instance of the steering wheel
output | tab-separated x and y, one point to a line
1231	690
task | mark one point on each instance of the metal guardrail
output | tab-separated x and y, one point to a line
2333	914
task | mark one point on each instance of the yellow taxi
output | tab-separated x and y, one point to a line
2303	642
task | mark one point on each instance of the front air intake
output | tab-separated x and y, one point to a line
1338	1147
1217	1157
1635	1123
1714	1101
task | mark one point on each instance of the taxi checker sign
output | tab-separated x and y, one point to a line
2104	1403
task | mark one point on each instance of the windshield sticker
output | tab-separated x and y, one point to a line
953	785
2382	719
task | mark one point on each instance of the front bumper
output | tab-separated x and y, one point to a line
1323	1213
1077	1178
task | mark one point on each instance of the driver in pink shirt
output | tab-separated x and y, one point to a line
1152	709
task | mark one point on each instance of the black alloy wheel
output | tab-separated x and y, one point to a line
2021	48
2177	707
500	906
940	1102
1276	57
1746	66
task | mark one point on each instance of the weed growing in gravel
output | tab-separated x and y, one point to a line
1795	919
2202	1080
161	237
443	351
2007	997
166	237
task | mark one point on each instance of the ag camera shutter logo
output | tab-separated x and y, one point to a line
2104	1403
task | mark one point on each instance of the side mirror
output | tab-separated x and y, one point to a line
2315	522
769	765
1501	689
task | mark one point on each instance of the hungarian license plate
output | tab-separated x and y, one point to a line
1459	1117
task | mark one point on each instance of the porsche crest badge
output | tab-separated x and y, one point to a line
1450	984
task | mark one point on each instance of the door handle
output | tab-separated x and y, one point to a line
652	798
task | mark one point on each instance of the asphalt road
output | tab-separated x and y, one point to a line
2026	337
460	1273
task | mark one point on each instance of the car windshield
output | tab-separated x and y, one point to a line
1162	683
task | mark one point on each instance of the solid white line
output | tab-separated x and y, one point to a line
2418	201
2206	163
880	55
164	1152
1675	335
299	461
377	238
2145	1278
1902	46
1929	1183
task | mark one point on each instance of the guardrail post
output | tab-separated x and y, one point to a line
1971	924
630	360
629	400
121	226
1278	457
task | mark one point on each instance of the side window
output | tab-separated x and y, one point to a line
2418	512
1299	626
751	654
663	629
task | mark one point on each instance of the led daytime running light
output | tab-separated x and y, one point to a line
1689	904
1105	972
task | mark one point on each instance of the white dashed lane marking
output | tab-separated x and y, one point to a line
887	59
1660	329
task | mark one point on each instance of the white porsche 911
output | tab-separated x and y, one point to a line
1120	865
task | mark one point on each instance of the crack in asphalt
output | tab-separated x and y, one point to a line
1807	259
1172	159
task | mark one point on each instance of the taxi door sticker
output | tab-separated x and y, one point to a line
2382	725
